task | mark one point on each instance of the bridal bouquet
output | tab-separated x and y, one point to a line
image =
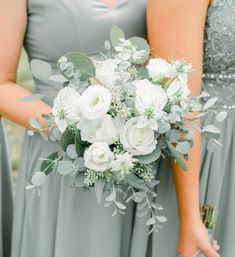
115	117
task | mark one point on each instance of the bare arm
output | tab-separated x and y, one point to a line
13	21
176	30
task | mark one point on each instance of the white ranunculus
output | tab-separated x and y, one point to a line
99	131
137	141
149	95
123	162
160	67
95	102
98	157
106	72
178	91
66	109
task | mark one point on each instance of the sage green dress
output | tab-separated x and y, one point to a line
63	221
6	201
217	180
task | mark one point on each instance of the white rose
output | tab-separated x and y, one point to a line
99	131
98	157
106	72
178	91
66	109
137	141
160	67
95	102
149	95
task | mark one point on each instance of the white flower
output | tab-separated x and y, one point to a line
137	141
106	72
95	102
123	162
178	91
98	157
66	108
99	131
160	67
145	122
183	69
149	95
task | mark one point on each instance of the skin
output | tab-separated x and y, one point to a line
13	21
110	3
188	32
176	30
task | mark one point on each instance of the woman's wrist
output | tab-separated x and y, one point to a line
190	216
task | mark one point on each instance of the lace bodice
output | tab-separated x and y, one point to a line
219	52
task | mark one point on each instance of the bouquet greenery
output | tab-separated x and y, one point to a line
116	117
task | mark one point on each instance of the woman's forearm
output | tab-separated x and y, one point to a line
20	112
187	184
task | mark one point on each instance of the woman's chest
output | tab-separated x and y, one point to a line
59	26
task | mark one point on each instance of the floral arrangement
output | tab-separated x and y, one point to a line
115	118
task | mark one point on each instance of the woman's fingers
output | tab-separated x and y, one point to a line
211	252
215	245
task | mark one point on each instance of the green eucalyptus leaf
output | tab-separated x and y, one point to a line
210	103
120	205
40	69
142	213
78	137
108	204
111	197
79	144
212	145
82	63
221	116
80	148
161	219
67	139
115	35
177	156
157	206
129	198
141	206
55	134
139	197
211	129
150	221
32	98
173	135
195	126
58	78
47	166
65	167
34	123
153	183
143	73
71	151
135	182
183	147
99	187
140	44
149	158
190	135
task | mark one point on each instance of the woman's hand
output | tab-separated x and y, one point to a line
193	239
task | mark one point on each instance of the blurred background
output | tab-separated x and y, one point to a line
15	132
